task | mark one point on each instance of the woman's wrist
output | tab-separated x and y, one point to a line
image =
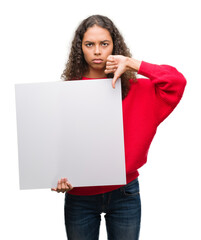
133	64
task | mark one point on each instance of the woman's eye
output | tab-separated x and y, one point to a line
89	44
105	44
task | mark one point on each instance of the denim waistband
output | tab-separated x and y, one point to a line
130	183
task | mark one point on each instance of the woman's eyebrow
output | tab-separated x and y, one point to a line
93	42
105	41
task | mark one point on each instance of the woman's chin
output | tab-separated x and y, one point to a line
99	67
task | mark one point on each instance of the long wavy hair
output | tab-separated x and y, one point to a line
76	65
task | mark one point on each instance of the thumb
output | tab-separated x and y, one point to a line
114	80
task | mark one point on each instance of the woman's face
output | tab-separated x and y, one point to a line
97	45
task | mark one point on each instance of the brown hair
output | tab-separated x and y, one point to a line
76	65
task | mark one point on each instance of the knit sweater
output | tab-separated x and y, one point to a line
149	101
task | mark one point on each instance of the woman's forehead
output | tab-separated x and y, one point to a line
97	33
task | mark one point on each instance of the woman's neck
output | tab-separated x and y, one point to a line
95	74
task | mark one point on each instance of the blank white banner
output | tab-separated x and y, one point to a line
71	129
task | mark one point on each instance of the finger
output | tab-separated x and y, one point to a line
59	185
113	66
109	71
64	180
63	183
114	80
53	189
64	190
70	186
67	188
111	58
109	63
66	183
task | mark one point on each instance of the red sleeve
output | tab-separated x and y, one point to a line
169	86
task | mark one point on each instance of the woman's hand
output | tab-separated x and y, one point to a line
63	186
118	64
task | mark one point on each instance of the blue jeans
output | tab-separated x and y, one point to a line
122	208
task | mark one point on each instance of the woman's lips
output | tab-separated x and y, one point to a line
97	61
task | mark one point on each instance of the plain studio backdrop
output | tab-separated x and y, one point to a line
35	40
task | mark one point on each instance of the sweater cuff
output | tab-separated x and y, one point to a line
146	69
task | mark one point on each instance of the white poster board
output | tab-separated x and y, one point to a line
71	129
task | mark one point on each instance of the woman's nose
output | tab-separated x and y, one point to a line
97	50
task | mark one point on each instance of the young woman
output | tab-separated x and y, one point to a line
99	51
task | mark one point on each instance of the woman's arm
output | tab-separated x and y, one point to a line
169	83
169	86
